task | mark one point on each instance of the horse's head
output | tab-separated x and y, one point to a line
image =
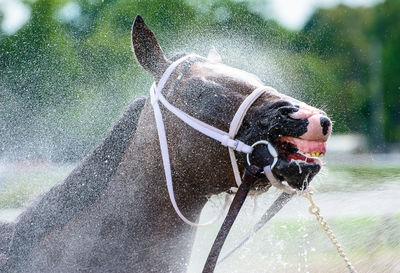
212	91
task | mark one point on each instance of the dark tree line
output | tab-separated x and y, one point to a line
64	80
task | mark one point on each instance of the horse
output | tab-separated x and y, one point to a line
113	212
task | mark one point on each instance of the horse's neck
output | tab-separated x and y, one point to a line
78	191
160	239
156	238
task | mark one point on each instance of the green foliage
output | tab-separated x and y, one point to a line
361	47
339	37
57	72
386	29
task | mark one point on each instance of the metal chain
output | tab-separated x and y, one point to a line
314	209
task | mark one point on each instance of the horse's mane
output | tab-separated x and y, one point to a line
80	189
177	56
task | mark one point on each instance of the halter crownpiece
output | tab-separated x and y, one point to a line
226	139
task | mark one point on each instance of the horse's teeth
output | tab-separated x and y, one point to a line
318	154
313	154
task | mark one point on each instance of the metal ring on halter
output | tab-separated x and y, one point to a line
271	150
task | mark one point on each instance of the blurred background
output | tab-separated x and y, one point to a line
67	73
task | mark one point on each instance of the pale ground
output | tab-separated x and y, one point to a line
342	196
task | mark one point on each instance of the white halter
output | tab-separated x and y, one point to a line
226	139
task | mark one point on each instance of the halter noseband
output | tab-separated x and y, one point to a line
226	139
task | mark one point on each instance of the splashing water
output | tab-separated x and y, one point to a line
360	202
362	214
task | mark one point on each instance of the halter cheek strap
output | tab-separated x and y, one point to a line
226	139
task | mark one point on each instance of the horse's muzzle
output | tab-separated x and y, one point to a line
319	125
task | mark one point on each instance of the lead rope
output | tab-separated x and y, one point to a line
278	204
314	209
275	207
250	175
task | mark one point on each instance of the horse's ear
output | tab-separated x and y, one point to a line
146	48
214	56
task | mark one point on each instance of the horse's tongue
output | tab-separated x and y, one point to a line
301	157
306	146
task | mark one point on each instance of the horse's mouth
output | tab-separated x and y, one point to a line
299	160
301	150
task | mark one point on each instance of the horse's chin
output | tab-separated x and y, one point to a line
299	160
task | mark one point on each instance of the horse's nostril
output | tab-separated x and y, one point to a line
325	124
286	110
